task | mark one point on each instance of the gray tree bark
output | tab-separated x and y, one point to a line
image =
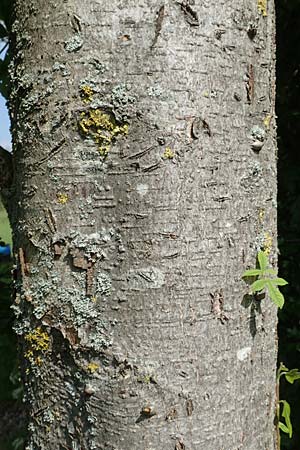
145	184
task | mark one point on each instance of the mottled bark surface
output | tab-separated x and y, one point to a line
145	184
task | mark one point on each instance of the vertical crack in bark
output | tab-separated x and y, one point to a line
158	25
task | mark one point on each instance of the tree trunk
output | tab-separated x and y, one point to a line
145	184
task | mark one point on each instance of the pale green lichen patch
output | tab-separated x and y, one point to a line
154	91
102	127
74	43
120	95
103	284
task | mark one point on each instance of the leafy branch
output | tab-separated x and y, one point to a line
264	281
290	376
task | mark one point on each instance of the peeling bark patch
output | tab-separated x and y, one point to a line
200	125
189	407
243	353
158	25
191	17
250	83
217	303
76	23
146	413
258	138
172	414
179	444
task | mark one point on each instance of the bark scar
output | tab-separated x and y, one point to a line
190	15
158	25
52	152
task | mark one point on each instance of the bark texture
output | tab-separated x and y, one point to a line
145	184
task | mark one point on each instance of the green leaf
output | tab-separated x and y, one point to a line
279	281
251	273
283	427
281	370
262	260
286	413
275	294
258	285
270	271
292	375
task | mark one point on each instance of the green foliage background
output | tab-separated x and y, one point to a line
288	111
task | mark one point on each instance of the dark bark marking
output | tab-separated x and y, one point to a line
252	31
152	167
219	33
173	255
158	25
237	97
250	84
52	152
191	17
139	154
206	127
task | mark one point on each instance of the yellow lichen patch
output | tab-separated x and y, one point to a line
102	128
261	215
262	7
168	153
87	93
38	340
92	367
267	245
38	343
62	198
267	121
